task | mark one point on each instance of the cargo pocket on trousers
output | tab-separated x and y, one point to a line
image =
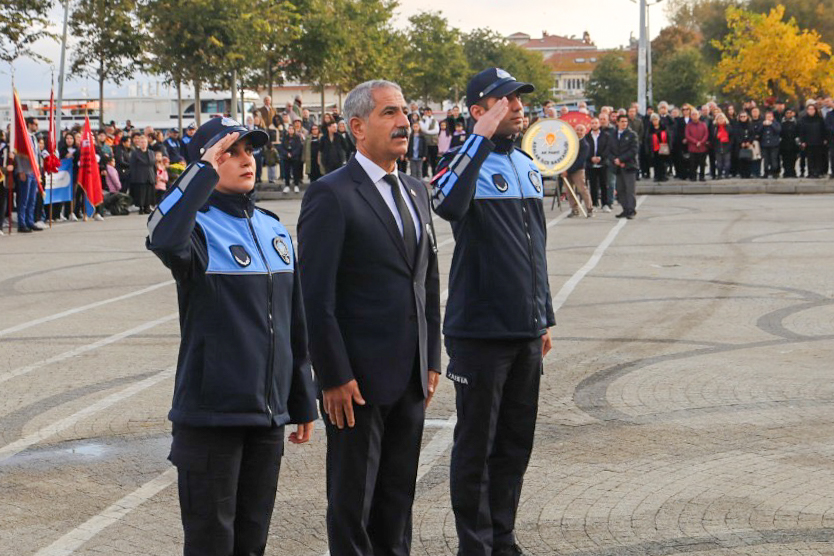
193	480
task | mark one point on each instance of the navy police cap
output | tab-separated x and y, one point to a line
216	129
496	83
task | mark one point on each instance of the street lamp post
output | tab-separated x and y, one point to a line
644	57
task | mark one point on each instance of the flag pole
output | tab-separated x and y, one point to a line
12	146
51	176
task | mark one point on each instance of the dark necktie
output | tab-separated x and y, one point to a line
409	234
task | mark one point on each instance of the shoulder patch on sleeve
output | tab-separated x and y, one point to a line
443	163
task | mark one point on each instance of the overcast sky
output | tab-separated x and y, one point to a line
610	23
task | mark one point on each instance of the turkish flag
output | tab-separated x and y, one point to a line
89	176
23	141
51	165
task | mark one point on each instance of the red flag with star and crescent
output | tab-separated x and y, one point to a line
89	176
23	142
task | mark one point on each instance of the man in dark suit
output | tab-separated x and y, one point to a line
597	166
368	259
624	150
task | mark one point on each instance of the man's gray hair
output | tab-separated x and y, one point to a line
360	101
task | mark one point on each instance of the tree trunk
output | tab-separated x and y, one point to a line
321	118
101	95
269	78
197	108
234	95
179	107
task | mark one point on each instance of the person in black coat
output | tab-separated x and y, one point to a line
418	151
812	140
829	135
332	149
680	154
597	165
744	136
624	151
121	154
769	137
371	288
789	145
142	175
291	149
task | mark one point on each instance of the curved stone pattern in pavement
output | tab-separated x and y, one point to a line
686	408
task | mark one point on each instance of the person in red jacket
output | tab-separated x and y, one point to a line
697	141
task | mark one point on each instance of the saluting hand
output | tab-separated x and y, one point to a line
338	403
489	122
217	155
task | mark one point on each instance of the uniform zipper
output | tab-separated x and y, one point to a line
525	218
268	316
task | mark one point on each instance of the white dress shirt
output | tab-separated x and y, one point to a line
376	174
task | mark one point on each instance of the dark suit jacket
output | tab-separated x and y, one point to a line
625	149
370	312
602	148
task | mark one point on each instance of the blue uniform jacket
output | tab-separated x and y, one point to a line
498	283
243	352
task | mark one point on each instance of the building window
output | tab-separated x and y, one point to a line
579	60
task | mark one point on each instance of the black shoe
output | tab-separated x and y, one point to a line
701	179
621	215
630	216
513	550
24	230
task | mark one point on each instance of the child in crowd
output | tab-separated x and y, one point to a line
458	137
114	200
161	185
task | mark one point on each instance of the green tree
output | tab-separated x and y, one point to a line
434	65
192	35
485	48
682	77
673	38
764	55
613	81
108	51
707	18
817	15
343	43
22	22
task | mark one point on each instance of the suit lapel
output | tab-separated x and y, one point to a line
418	208
372	196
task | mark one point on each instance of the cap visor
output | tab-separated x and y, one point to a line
512	87
257	138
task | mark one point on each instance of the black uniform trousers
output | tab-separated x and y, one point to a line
598	181
227	479
372	475
497	393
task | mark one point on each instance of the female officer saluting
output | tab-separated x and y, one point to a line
243	371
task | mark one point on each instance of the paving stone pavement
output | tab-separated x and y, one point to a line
686	407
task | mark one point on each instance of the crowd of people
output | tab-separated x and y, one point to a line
682	142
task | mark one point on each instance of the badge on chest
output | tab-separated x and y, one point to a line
282	249
500	183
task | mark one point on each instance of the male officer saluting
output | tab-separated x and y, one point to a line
498	313
243	371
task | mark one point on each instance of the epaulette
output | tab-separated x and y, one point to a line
268	213
525	153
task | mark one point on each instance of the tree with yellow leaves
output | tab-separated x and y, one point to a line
763	56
